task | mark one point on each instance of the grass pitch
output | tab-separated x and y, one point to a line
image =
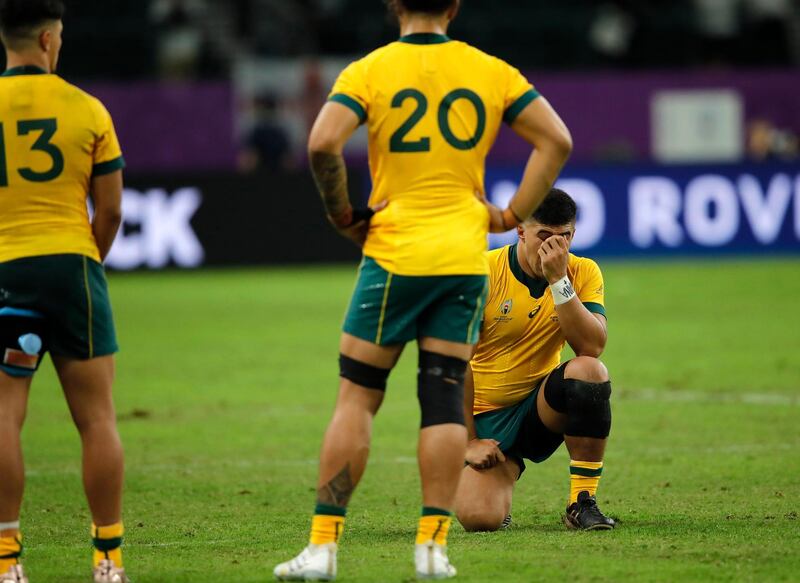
227	379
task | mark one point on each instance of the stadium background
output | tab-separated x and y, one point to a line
685	118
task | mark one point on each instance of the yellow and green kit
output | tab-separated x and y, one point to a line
432	107
54	139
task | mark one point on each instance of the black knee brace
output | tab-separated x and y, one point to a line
585	404
440	388
589	409
363	374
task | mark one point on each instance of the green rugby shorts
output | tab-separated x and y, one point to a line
391	309
65	298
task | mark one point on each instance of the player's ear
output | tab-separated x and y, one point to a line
521	231
453	12
45	39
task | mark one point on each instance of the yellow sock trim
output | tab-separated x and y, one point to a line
326	529
434	527
583	476
11	548
108	543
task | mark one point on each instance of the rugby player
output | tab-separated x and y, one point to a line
432	107
57	145
520	402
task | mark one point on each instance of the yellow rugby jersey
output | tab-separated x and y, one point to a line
53	139
520	337
433	107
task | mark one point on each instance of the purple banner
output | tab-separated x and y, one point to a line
609	113
172	127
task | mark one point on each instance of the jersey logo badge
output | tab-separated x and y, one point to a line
506	307
534	311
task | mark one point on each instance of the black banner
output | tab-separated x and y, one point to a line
226	219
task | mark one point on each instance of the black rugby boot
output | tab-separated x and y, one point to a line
585	515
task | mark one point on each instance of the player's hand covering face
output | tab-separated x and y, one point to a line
554	257
546	244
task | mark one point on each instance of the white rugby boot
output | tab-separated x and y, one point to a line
15	574
432	563
315	563
108	572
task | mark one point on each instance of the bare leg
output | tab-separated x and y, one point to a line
442	447
484	496
345	447
87	388
13	405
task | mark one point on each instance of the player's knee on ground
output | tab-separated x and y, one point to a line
480	519
584	400
440	388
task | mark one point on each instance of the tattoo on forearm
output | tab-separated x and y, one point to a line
330	174
338	490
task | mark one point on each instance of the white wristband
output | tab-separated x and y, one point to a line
562	291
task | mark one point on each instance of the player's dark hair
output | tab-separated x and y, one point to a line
426	6
19	17
557	208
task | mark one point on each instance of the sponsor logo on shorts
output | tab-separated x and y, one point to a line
19	359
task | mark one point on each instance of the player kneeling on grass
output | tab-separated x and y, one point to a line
57	144
520	403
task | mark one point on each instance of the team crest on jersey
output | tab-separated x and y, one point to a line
506	307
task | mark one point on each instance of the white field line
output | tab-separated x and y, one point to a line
654	395
664	396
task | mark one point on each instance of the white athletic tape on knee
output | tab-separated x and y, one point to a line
9	525
562	291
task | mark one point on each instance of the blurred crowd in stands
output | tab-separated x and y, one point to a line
198	40
201	38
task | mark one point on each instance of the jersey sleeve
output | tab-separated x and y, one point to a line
351	90
519	93
590	287
107	155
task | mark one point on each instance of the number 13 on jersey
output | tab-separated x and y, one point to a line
48	128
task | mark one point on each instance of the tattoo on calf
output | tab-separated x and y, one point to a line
330	175
338	490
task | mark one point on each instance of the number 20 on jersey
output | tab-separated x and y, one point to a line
398	142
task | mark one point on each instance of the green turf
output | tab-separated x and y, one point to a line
226	380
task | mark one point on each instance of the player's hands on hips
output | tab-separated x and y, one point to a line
554	253
500	220
483	454
354	223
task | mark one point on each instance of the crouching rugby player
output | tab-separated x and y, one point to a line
520	401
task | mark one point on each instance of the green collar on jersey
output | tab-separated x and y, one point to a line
24	70
535	285
425	38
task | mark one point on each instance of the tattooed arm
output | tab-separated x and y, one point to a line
330	174
334	126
